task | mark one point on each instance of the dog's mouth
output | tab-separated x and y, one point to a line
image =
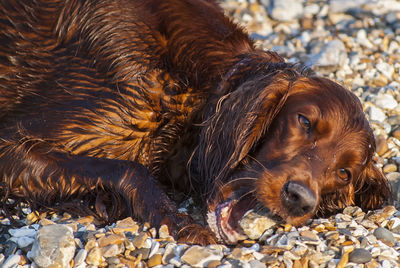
297	204
225	219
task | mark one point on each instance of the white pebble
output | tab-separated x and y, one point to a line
385	101
80	257
386	69
363	39
24	231
154	248
376	114
11	261
386	264
24	241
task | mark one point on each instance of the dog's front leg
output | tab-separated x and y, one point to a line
46	176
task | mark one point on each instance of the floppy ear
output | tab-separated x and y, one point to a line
371	189
238	120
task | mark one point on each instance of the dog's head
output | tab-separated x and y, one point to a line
297	144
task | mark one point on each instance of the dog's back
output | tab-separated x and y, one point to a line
102	78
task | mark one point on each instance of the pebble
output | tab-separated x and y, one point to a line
376	114
385	236
360	255
112	239
389	168
333	54
199	256
126	225
80	257
254	224
54	246
94	257
22	232
140	240
11	261
155	260
385	101
280	12
24	242
341	6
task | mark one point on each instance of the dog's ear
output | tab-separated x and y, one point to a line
372	189
237	121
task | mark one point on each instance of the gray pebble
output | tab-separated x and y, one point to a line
281	12
80	257
257	264
384	235
11	261
360	255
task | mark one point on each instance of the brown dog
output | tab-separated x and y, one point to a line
106	105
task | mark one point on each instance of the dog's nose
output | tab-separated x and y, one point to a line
298	199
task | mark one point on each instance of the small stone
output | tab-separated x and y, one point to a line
333	54
389	168
113	239
163	233
32	217
351	210
385	101
11	261
144	252
113	261
24	231
281	12
376	114
140	240
396	133
80	257
341	6
169	253
343	260
381	145
176	262
54	246
110	250
25	241
214	264
254	224
199	256
385	236
9	248
387	70
94	257
126	225
44	222
360	255
309	235
291	255
91	243
372	264
155	260
154	248
394	224
85	220
257	264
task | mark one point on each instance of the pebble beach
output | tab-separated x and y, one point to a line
353	42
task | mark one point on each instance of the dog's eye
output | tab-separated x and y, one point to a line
343	174
304	122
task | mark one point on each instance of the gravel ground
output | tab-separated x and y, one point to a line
355	42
